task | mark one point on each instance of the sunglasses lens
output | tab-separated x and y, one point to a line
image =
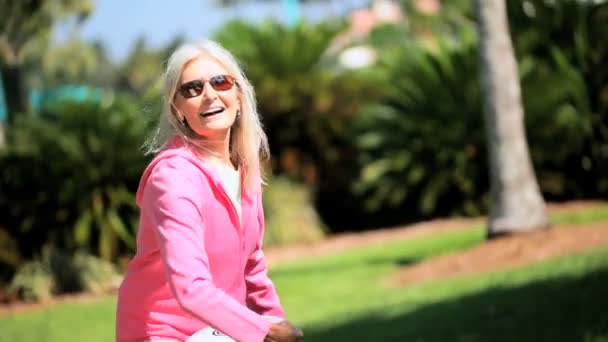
221	83
192	89
195	88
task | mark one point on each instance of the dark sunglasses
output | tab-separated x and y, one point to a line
195	88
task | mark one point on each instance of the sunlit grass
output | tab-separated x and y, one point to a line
589	215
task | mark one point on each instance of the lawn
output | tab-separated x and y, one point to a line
347	297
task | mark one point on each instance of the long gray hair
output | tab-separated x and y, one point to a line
249	144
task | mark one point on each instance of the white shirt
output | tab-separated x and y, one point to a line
231	179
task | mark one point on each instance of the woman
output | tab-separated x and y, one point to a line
199	261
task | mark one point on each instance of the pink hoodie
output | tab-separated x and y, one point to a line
196	263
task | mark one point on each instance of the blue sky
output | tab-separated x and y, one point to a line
118	23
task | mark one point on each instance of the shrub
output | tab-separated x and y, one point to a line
68	178
96	275
56	273
422	149
562	51
290	215
33	282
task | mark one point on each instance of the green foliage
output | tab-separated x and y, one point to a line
559	110
27	23
305	100
290	215
563	53
33	282
57	273
386	35
451	19
424	145
25	31
89	65
95	275
9	251
68	178
142	69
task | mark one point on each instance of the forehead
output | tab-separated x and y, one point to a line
203	67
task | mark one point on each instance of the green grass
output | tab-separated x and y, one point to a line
564	299
347	297
589	215
62	323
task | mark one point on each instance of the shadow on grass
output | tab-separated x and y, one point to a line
560	309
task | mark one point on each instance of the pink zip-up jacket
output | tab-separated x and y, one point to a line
197	264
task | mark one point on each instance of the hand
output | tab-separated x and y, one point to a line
283	332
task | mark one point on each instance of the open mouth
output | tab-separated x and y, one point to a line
212	112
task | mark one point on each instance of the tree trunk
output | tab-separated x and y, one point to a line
2	139
15	92
517	204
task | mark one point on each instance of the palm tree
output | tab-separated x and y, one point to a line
517	205
140	69
85	62
25	27
305	102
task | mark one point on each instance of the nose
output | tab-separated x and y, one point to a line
209	94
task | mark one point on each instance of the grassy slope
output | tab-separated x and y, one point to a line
346	297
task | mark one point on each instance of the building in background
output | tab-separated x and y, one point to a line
354	53
350	45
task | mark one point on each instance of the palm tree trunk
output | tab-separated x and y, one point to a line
517	204
15	92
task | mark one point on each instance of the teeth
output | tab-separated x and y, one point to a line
213	111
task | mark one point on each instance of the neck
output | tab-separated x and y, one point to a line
219	148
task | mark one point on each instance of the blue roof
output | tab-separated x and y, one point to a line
3	110
68	92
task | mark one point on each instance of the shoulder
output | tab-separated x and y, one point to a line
174	173
178	158
175	164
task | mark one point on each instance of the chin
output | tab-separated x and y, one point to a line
221	124
214	129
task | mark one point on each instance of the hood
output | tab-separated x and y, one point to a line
178	148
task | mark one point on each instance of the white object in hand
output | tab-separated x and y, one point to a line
211	334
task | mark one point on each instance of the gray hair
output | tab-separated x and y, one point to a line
248	140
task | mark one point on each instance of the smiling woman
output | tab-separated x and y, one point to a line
199	260
209	104
204	79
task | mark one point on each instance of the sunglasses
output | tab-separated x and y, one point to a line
195	88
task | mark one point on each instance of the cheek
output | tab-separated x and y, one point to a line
230	99
187	106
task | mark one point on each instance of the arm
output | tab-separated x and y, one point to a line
261	294
170	199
